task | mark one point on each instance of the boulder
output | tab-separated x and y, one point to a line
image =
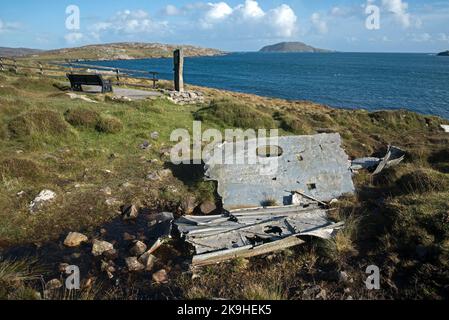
138	248
75	239
42	198
160	276
130	212
148	260
133	264
99	247
207	207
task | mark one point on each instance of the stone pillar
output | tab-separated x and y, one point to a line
179	69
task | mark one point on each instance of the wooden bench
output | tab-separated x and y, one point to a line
78	80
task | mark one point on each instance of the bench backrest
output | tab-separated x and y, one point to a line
87	79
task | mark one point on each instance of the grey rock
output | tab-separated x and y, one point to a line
154	135
138	248
130	212
99	247
133	264
75	239
41	200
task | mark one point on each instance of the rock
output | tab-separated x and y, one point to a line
133	264
53	284
130	212
107	191
207	207
154	135
189	204
343	277
138	248
148	260
20	193
153	177
145	145
110	202
43	197
75	239
445	127
108	268
160	276
443	54
99	247
312	291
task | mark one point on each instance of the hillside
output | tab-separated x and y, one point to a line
124	51
291	47
98	155
17	52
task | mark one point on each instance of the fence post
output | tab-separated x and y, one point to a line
1	64
117	72
15	66
178	56
41	68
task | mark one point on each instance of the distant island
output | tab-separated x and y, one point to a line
114	51
443	54
291	47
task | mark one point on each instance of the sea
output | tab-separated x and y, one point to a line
371	81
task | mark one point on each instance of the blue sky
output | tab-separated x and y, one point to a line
234	25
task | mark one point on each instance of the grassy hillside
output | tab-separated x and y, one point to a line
90	155
122	51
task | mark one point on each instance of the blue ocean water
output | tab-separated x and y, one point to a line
372	81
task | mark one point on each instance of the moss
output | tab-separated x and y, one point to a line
82	117
109	124
230	113
38	121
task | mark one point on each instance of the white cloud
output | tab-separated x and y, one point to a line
171	10
251	10
399	9
9	26
249	17
130	22
318	23
284	19
218	11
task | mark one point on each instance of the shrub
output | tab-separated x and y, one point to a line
38	121
422	180
109	124
227	112
82	117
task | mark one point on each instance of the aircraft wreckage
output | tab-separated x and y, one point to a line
272	202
